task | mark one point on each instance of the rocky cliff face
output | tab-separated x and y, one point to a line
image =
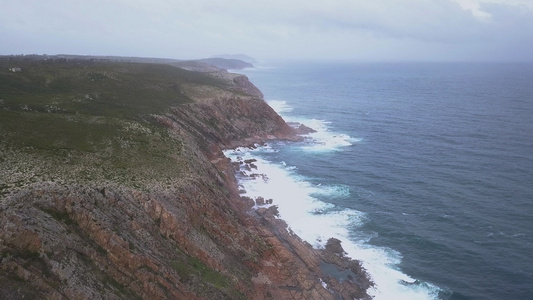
176	229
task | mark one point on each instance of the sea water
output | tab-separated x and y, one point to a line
424	171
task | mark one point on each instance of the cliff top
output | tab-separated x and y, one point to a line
83	113
113	185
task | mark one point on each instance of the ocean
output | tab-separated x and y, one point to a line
424	171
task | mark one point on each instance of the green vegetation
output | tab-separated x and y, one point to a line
93	123
53	100
62	217
194	269
111	283
96	88
89	120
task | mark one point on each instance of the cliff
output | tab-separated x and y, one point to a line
113	185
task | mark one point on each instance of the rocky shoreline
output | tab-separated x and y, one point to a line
335	271
154	211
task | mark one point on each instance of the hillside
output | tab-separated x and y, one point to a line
113	186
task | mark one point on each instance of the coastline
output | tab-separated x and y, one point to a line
151	208
342	276
314	271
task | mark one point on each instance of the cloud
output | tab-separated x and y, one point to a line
348	29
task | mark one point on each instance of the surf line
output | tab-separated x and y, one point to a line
268	183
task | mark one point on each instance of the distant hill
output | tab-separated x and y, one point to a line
242	57
211	64
214	64
228	64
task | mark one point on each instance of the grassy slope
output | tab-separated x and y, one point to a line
89	120
89	123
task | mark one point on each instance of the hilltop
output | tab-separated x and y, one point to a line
113	185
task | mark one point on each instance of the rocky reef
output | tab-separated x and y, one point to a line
113	185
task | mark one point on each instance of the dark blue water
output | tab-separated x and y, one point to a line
441	164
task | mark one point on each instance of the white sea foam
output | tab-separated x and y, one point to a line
316	221
280	106
324	139
311	219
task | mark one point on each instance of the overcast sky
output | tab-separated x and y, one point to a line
361	30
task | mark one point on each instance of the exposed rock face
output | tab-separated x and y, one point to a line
194	238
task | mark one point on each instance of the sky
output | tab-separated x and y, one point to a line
354	30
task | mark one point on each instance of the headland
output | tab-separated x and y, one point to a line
113	185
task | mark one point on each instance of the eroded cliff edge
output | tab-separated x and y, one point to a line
114	186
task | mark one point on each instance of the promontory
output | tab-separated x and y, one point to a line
113	185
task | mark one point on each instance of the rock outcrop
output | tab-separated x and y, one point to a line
177	231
